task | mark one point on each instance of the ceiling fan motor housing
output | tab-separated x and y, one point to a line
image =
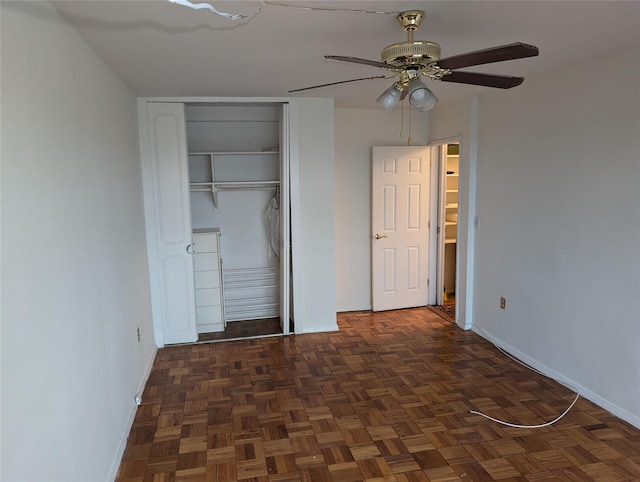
420	52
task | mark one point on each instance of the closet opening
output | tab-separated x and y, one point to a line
239	203
449	173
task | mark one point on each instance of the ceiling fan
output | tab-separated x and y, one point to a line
413	59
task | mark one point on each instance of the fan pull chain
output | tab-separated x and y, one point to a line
409	141
402	121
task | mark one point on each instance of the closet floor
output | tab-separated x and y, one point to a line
386	398
244	329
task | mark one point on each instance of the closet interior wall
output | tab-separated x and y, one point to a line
451	178
234	170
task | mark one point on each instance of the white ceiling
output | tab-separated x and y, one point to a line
162	49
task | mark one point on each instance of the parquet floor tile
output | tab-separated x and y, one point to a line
387	398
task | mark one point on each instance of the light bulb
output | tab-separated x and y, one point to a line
420	96
390	97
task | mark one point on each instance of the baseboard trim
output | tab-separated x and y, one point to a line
320	329
463	325
122	444
563	380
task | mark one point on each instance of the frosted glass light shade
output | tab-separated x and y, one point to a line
390	97
420	96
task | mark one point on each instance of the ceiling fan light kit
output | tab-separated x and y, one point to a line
413	59
420	96
391	96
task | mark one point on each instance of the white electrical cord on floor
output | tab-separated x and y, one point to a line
515	425
508	424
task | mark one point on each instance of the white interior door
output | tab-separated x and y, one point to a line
172	219
400	225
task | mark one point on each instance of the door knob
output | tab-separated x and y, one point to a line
190	248
380	236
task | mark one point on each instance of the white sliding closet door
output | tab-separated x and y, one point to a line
174	290
285	234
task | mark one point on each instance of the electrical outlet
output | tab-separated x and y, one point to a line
138	331
503	302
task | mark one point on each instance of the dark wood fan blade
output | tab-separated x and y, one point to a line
513	51
487	80
357	60
336	83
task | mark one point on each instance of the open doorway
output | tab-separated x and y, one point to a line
450	172
447	156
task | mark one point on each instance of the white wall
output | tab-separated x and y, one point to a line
314	208
356	132
74	273
559	234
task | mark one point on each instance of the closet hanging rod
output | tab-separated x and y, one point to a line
234	188
235	183
230	153
227	121
245	187
245	183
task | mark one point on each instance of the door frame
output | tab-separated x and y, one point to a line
285	216
292	186
438	153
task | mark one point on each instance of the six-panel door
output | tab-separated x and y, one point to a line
400	227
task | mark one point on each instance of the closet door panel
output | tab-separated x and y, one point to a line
170	177
176	293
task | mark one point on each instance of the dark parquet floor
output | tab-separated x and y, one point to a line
386	398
